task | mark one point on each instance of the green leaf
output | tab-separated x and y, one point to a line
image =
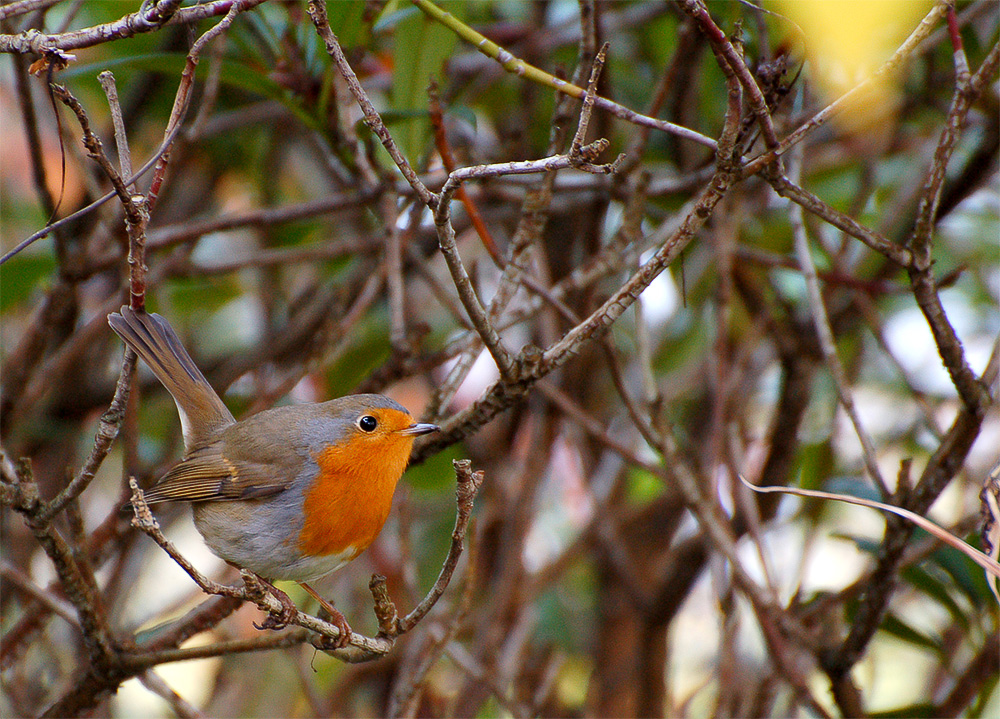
392	15
855	486
368	349
464	113
913	711
200	296
642	486
968	577
816	461
931	584
895	626
22	275
435	473
347	20
422	47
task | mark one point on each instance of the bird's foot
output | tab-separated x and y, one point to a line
337	619
281	618
343	639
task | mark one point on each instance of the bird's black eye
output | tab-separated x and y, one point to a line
367	423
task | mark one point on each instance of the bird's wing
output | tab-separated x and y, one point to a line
210	476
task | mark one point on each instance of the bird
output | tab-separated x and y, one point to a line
290	493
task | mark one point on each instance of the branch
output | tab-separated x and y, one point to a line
991	565
580	156
21	492
786	188
361	648
107	431
971	389
821	322
468	484
151	17
724	47
160	157
534	366
317	11
23	7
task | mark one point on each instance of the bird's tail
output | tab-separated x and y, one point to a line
201	410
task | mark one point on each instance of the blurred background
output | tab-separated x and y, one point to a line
297	265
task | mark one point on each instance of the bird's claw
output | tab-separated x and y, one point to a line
278	619
343	638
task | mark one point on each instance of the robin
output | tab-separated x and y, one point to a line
290	493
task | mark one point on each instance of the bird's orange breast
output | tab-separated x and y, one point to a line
350	499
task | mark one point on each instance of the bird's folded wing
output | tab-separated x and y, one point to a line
212	477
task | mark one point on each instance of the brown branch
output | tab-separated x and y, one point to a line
178	704
724	47
151	17
531	368
622	299
182	99
24	584
409	687
160	158
581	157
84	211
95	150
138	661
482	675
979	673
786	188
519	67
821	322
23	7
76	585
107	431
878	589
971	389
576	148
361	648
531	224
466	488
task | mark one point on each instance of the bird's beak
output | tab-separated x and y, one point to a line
418	429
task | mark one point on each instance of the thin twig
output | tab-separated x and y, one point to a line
394	272
448	160
696	9
983	560
23	7
182	99
84	211
824	331
107	80
317	11
786	188
151	17
178	704
466	488
588	102
971	389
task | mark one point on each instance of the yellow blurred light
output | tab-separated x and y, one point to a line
846	41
